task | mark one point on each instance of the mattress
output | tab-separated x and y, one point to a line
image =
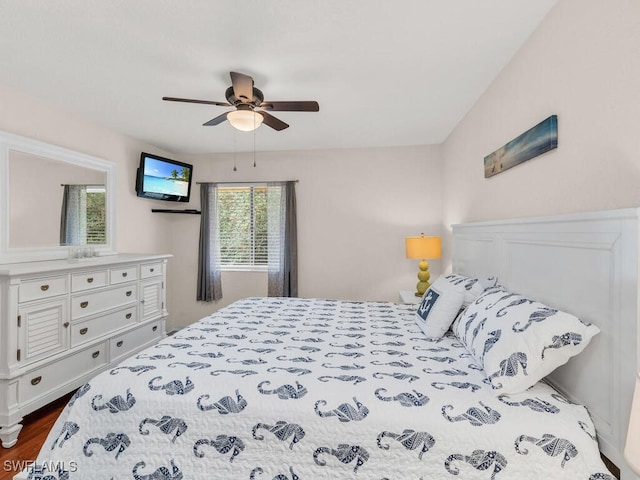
310	389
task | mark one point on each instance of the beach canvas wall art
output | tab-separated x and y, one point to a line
535	141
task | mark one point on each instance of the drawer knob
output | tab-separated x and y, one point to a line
119	344
36	380
128	316
83	331
128	293
155	327
65	324
95	354
84	304
124	274
151	270
44	288
90	280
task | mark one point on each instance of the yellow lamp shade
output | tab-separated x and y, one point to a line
423	247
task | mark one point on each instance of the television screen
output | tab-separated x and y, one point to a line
163	179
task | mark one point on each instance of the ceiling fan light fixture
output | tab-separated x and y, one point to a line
245	120
245	98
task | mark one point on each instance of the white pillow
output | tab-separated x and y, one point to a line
519	341
473	286
439	306
488	282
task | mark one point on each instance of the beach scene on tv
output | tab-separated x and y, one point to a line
164	177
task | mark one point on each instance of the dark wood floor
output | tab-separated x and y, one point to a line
33	434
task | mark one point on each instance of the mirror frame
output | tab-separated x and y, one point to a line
10	142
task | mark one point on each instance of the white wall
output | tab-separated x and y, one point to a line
354	209
583	64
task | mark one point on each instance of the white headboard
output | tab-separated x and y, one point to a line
585	264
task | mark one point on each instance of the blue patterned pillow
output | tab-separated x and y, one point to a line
519	341
439	306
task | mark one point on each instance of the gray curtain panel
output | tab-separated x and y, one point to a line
283	239
209	274
73	218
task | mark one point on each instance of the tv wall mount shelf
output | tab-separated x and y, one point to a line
168	210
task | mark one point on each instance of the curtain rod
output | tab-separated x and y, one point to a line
82	185
245	183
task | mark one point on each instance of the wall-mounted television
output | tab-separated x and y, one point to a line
163	179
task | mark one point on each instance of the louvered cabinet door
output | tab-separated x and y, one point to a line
151	300
43	329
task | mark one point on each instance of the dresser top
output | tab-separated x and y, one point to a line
48	266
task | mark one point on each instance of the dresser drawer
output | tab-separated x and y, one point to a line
88	280
41	381
124	274
126	343
90	303
42	288
82	332
148	270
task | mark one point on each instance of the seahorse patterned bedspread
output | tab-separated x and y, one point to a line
310	389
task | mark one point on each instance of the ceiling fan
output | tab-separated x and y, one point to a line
251	107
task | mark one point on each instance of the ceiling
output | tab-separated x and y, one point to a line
385	73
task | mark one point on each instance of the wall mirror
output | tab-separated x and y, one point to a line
52	200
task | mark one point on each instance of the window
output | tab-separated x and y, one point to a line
242	217
96	215
83	215
250	227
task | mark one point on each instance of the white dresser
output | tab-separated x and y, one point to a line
62	322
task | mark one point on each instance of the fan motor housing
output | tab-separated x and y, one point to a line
257	99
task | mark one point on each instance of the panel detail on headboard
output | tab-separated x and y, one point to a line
585	264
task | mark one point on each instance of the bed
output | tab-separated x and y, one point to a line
314	388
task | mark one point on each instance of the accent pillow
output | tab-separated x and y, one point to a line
519	341
439	306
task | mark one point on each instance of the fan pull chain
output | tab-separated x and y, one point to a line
235	168
254	141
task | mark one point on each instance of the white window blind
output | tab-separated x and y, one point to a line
96	215
242	218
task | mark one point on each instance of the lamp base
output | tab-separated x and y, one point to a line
423	275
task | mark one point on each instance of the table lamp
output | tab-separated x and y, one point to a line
632	447
423	248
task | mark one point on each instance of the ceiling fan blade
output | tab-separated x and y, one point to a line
242	86
272	121
189	100
216	121
310	106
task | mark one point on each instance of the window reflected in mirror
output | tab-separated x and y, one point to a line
83	215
